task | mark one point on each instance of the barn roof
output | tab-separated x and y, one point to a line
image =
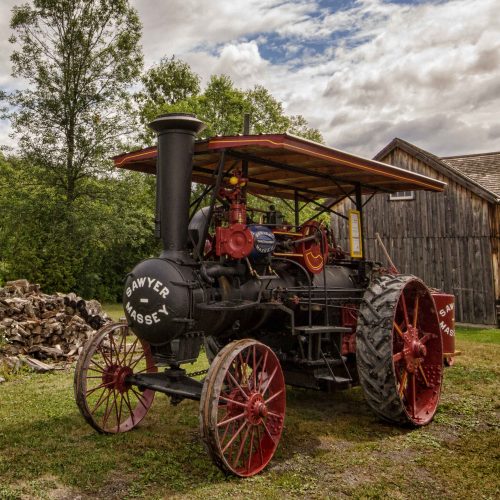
282	164
461	175
482	168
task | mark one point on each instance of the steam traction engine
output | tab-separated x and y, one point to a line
272	301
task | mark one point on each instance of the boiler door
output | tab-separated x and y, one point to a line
156	300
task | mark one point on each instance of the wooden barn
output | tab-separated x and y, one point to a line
450	239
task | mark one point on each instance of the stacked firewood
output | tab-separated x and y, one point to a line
41	326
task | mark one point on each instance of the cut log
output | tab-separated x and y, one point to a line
37	365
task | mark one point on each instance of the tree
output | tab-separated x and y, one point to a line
167	83
87	249
171	86
266	112
79	58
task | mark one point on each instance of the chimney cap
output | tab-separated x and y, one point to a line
186	122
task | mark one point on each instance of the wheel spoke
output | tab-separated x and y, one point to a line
405	310
108	361
275	395
242	445
119	417
131	349
260	445
108	414
225	432
101	368
129	406
116	410
413	395
423	375
398	357
235	435
112	338
254	370
426	337
101	400
243	370
269	380
402	385
273	414
100	386
263	370
233	401
232	419
267	431
136	362
398	329
123	346
251	438
237	385
139	397
415	311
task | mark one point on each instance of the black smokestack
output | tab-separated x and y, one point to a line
176	136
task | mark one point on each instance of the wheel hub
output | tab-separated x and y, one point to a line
115	377
414	350
256	409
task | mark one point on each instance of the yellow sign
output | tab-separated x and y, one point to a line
355	237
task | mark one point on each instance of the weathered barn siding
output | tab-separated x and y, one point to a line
444	238
495	245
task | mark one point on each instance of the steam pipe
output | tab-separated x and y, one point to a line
176	136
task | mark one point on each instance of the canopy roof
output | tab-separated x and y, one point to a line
280	165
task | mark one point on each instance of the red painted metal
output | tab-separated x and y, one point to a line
312	257
445	306
243	408
279	147
417	353
106	400
235	241
349	318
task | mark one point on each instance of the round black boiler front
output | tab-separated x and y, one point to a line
156	300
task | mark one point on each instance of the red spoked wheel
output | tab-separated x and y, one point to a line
106	399
399	350
242	407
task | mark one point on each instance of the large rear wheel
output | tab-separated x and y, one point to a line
399	350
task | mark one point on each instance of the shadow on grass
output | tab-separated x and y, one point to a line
166	452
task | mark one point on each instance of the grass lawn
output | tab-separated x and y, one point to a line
332	446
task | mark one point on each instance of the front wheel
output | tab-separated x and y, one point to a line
242	407
107	401
399	350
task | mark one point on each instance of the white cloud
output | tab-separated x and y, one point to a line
242	61
429	73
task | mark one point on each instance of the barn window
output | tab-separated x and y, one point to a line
402	195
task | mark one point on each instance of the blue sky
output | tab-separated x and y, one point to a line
362	71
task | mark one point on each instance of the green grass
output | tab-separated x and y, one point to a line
332	446
115	311
486	336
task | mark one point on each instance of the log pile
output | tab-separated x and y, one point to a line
45	327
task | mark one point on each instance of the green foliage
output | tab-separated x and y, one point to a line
87	246
79	58
171	86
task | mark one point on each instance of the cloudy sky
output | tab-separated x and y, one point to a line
361	71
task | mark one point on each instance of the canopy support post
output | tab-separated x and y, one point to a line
359	207
296	208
